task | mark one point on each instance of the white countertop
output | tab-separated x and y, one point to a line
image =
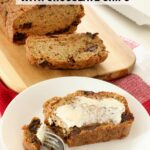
125	27
129	29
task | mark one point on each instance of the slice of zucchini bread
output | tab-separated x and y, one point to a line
30	138
66	51
86	117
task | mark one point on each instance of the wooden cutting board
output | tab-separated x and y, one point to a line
18	74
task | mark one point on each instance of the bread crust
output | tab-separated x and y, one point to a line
92	133
94	57
14	13
101	133
30	140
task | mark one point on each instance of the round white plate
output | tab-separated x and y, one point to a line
29	103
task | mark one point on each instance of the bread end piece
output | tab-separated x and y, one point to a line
30	140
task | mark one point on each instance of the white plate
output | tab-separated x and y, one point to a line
29	103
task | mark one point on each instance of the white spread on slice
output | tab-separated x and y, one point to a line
50	121
85	111
41	132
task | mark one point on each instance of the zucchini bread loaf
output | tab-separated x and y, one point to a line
71	51
18	22
30	139
86	117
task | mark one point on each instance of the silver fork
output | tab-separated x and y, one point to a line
52	141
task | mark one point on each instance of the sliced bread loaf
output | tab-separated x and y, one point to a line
71	51
20	21
86	117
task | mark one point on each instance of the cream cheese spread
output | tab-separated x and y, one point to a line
41	132
84	111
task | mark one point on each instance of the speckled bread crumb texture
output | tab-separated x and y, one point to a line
66	51
30	140
92	133
19	23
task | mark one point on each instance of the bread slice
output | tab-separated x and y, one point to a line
20	21
30	140
87	133
76	136
72	51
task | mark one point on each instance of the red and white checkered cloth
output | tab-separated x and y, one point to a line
131	83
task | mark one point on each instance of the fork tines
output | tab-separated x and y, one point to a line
52	141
